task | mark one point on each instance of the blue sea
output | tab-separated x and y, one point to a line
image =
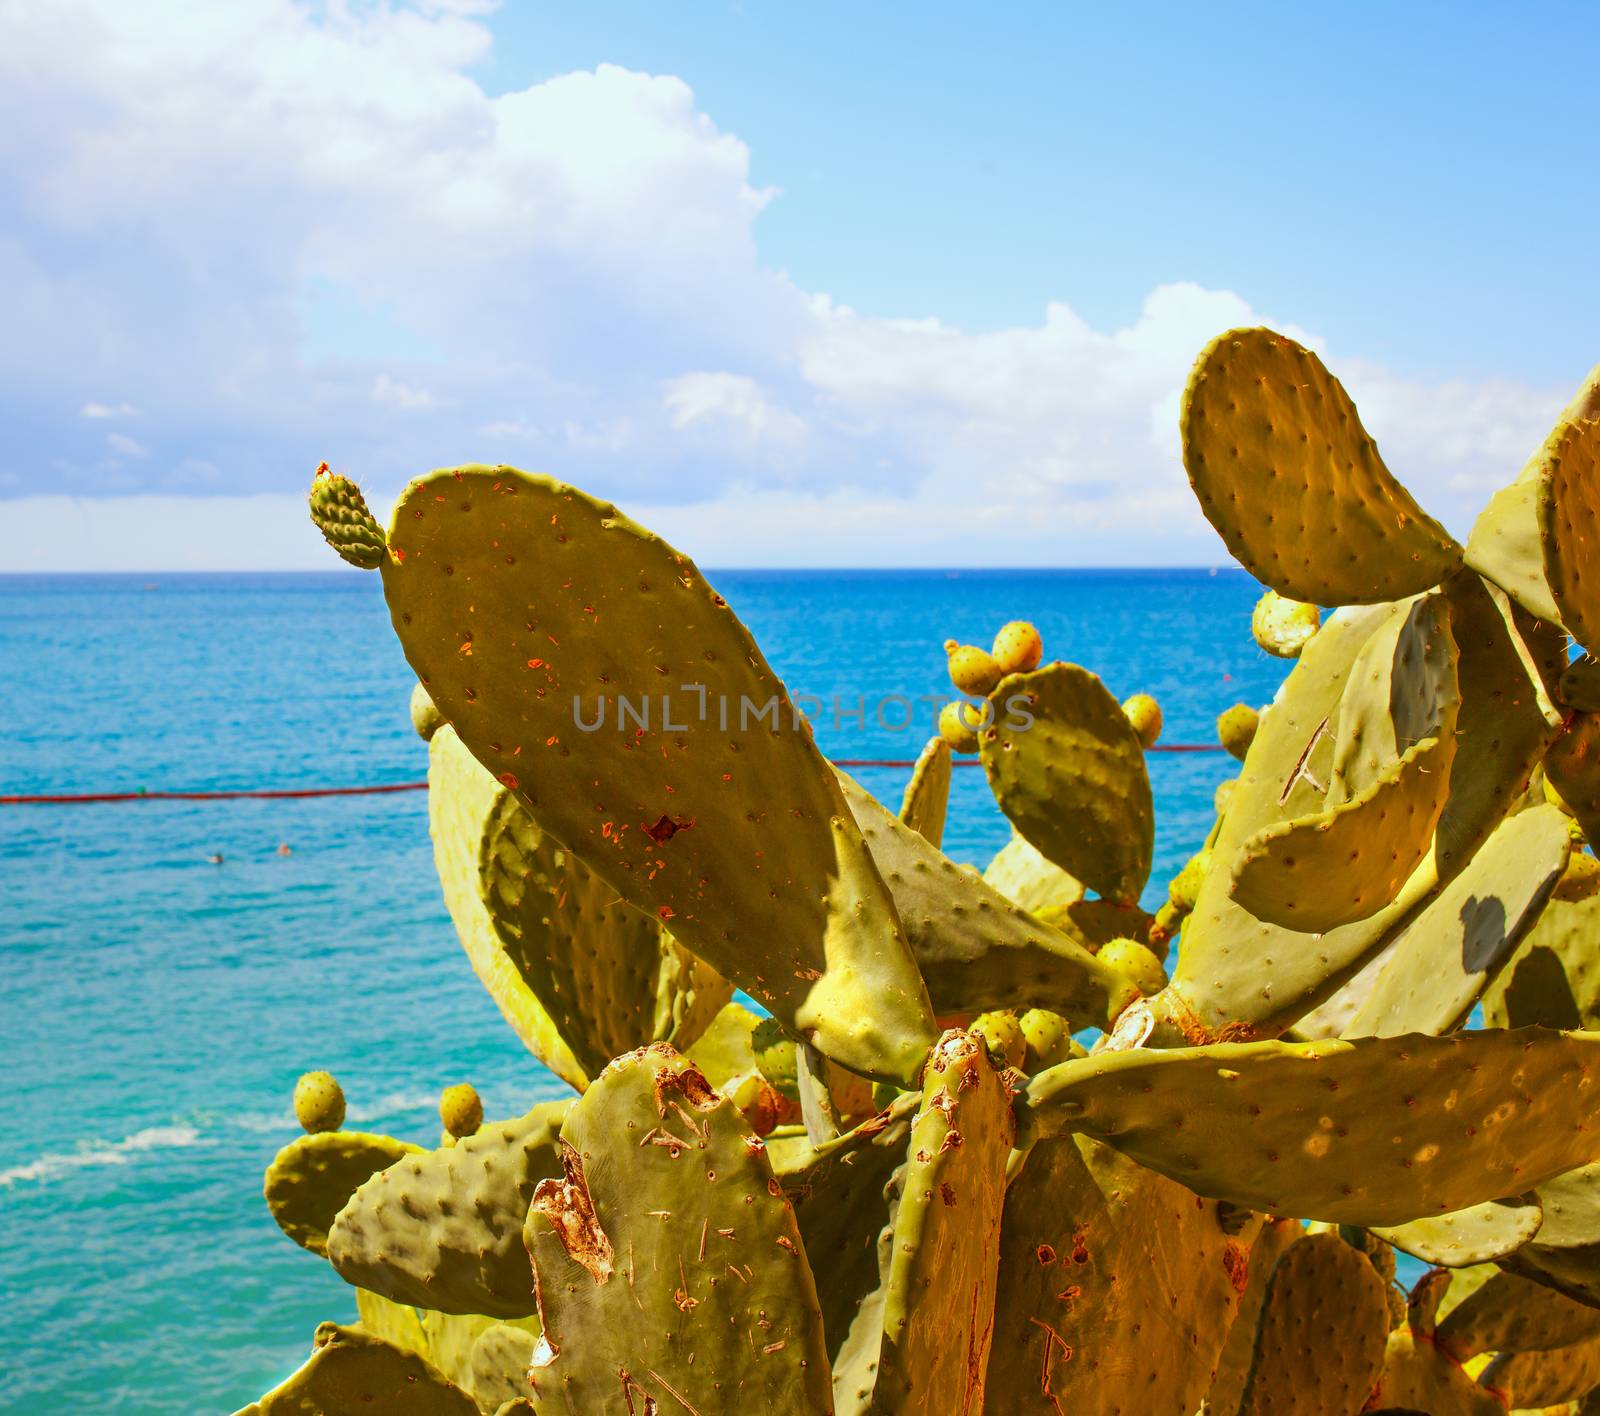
156	1008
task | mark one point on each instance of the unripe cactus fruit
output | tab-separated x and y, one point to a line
1047	1039
461	1110
425	718
1002	1035
1185	887
1283	627
318	1102
958	722
776	1057
1137	961
340	513
1236	728
1145	715
972	670
1017	647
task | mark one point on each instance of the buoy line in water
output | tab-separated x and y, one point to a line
296	793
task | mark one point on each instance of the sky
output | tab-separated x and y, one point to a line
794	285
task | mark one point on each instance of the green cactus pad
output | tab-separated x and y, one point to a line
1565	1253
522	603
1348	860
1474	1235
1233	1362
938	1312
1320	1337
1569	526
310	1179
1573	768
1418	1378
1510	1314
669	1262
443	1230
1073	781
1027	879
500	1360
976	950
1293	483
1283	627
425	716
395	1323
1553	978
1580	684
340	513
1373	1131
352	1374
1440	962
927	794
1116	1288
1546	1380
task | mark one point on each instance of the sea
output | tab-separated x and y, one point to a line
156	1006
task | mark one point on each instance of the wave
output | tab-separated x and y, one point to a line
102	1153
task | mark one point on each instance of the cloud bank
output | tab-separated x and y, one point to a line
240	239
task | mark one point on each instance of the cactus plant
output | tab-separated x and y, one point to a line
909	1188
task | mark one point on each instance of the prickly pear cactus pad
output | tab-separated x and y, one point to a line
1508	1313
1374	1131
1569	526
1553	978
530	612
1573	768
976	949
1027	879
1547	1380
311	1179
443	1229
927	794
1475	1235
938	1312
350	1372
1293	483
1067	767
1103	1265
670	1267
1321	1334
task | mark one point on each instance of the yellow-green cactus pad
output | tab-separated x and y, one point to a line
1293	483
1507	1313
938	1312
1553	978
670	1267
927	794
1068	769
340	513
1283	627
311	1178
1546	1380
1371	1131
1233	1362
1116	1289
1320	1337
1441	961
1572	766
1565	1253
529	609
1569	527
1027	879
1475	1235
352	1374
1418	1377
443	1229
1579	686
500	1361
975	948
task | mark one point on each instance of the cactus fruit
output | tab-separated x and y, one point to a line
1073	780
958	725
972	670
461	1110
1290	479
318	1102
1137	961
841	1210
1001	1034
340	513
1017	647
1236	729
1145	714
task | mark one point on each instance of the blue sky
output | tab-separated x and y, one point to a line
823	284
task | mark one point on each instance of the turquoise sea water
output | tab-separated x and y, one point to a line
156	1009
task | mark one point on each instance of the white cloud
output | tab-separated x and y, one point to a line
128	447
582	251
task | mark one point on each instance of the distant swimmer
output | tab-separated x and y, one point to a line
215	859
283	848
